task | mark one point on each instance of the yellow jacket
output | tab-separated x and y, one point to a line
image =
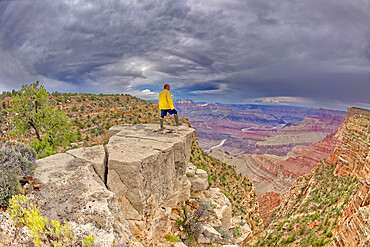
165	100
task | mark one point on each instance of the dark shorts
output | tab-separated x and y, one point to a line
164	112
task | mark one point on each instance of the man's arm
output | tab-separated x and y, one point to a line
169	100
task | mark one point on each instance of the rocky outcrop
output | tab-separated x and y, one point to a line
131	192
70	190
198	178
121	192
146	167
220	211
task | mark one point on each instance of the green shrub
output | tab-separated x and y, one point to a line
290	227
236	231
35	114
16	162
42	231
290	239
172	238
191	222
280	226
314	216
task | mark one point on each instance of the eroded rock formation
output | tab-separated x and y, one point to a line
353	158
339	184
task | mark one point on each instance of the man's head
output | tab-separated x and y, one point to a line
167	86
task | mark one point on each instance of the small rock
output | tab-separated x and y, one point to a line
190	171
203	240
199	182
180	244
212	234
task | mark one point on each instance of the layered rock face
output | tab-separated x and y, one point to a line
267	203
341	183
146	170
353	158
272	173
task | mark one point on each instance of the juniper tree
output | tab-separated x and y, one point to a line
35	114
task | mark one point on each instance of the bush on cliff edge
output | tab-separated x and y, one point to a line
17	161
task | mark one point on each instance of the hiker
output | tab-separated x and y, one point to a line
166	105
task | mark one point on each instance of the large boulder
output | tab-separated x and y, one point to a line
70	190
146	170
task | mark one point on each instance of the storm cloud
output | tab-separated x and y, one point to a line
313	52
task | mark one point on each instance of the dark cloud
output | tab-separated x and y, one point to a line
307	52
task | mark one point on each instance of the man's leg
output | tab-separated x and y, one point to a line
177	119
161	123
163	114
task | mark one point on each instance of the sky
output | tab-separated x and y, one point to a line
296	52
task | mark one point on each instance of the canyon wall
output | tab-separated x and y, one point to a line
330	204
353	158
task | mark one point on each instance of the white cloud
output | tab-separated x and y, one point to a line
147	91
281	100
146	94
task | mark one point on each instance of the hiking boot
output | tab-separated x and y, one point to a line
177	120
161	123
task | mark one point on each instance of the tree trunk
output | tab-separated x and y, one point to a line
36	131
